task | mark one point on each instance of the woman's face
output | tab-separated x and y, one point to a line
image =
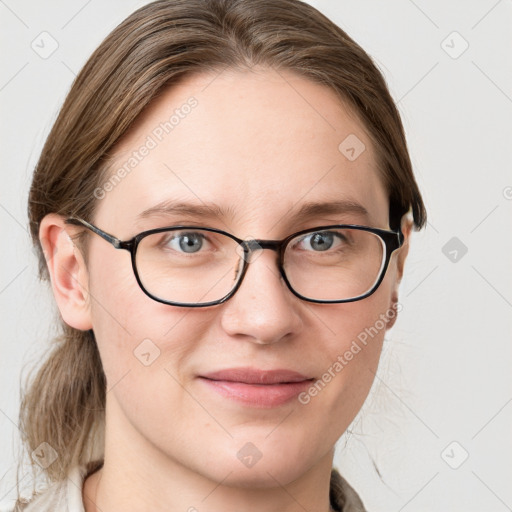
255	147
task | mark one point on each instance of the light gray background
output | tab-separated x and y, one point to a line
445	372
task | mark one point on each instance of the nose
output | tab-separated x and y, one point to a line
263	308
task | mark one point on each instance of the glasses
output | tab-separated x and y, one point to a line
194	266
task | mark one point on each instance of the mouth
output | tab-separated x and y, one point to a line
257	388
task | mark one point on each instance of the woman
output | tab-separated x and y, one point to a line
223	208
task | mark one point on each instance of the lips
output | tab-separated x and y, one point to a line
254	376
257	388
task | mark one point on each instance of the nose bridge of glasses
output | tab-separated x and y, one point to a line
255	245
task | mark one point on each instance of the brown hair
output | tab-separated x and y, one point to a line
152	49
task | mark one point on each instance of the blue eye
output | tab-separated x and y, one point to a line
320	241
186	242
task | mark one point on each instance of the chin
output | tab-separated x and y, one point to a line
263	476
259	465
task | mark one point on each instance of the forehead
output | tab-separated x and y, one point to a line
260	144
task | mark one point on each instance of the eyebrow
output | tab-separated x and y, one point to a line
212	210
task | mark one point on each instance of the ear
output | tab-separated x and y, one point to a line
400	255
68	273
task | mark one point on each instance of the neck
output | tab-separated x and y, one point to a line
136	476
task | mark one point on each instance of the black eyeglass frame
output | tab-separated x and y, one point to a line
393	240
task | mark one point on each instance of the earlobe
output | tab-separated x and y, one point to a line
68	273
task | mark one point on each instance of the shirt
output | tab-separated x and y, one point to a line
66	496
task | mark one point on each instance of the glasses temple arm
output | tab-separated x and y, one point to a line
118	244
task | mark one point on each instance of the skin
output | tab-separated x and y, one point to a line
262	144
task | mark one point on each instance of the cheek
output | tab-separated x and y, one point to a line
134	333
147	353
351	358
